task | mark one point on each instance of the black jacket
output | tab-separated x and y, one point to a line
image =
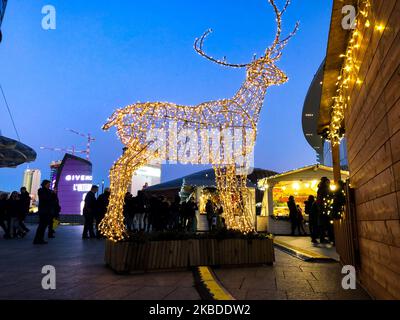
56	205
102	204
25	201
293	214
14	208
90	204
45	201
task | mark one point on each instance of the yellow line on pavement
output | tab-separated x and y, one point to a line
213	286
301	251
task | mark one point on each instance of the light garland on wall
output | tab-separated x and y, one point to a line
240	112
349	72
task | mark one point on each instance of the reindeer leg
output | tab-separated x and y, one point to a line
113	226
234	198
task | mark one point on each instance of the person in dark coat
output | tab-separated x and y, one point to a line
175	211
300	221
163	214
55	213
140	211
128	210
14	210
89	210
102	203
25	199
45	211
210	211
4	217
311	209
192	223
293	214
323	200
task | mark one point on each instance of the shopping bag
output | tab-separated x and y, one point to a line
56	223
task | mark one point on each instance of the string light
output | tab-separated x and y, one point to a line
240	112
348	73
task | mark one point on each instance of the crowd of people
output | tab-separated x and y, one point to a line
143	212
13	210
148	213
322	211
156	213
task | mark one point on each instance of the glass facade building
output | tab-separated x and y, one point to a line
327	155
3	4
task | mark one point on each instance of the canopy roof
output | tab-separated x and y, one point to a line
13	153
307	173
206	178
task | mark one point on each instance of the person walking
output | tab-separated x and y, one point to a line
300	221
89	211
14	210
4	217
175	211
293	214
192	207
164	213
25	200
140	211
45	208
55	213
102	203
210	211
128	210
311	209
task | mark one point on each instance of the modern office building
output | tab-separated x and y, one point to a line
310	118
72	178
31	182
54	166
3	4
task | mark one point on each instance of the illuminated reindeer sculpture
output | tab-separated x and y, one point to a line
239	113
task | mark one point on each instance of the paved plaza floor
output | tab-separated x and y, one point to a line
289	279
82	274
305	243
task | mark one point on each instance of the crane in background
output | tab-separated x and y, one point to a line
89	140
71	150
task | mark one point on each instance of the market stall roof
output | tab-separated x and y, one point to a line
337	44
307	173
206	178
13	153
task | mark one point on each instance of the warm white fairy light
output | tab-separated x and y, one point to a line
349	72
239	112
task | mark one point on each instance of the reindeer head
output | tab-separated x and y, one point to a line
262	70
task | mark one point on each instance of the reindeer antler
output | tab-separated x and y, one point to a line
279	44
198	46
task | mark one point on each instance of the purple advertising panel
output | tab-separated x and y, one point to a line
74	180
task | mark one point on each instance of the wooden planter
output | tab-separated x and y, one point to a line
158	255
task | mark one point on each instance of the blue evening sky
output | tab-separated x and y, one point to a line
107	54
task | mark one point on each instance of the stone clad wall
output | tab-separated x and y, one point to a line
373	135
